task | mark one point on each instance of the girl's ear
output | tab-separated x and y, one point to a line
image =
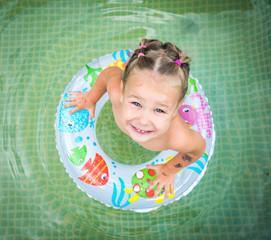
121	92
181	102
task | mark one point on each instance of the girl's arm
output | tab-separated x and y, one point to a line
193	153
166	172
87	100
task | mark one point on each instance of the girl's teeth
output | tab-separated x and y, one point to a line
140	131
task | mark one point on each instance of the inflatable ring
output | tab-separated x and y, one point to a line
104	179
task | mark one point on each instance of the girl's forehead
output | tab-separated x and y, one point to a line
149	86
152	77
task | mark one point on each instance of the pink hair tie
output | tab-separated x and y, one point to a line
142	47
140	55
178	62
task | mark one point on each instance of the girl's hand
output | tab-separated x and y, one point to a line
165	178
81	101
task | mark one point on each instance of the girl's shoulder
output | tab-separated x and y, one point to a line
113	77
180	135
183	139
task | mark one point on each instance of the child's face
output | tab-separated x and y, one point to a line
149	104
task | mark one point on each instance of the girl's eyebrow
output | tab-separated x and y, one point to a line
159	104
134	96
162	105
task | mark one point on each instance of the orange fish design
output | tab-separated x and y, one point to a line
118	64
97	172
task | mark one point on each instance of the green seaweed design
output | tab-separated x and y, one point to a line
94	73
191	82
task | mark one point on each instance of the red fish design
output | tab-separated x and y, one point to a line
97	172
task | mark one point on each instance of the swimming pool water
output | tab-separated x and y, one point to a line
44	43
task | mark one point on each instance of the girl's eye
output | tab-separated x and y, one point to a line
136	104
159	110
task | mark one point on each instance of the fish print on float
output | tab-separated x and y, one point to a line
140	182
78	155
97	172
72	123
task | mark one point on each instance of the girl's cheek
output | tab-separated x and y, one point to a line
162	123
128	113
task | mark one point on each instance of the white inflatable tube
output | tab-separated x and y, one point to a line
104	179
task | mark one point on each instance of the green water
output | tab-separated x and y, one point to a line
44	43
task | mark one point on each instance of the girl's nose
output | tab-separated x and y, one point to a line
144	118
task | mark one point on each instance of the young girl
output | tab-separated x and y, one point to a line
145	100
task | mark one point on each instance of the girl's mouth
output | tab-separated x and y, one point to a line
143	132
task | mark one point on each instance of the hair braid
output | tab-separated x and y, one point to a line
154	55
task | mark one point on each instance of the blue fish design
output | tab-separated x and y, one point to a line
72	123
125	55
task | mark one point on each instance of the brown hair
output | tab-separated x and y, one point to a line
160	58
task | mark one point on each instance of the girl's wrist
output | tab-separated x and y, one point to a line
174	166
91	97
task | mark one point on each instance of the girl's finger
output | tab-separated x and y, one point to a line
171	189
73	93
70	99
151	186
158	189
167	190
74	110
70	104
154	167
91	115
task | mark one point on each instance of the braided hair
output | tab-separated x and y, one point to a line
162	58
